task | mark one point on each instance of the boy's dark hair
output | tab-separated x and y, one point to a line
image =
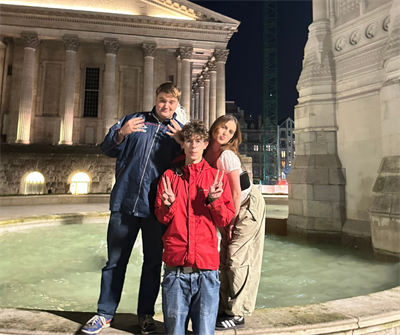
194	128
170	89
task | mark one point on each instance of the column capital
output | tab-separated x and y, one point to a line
206	75
111	45
149	50
195	87
71	43
201	82
186	52
221	55
212	66
30	40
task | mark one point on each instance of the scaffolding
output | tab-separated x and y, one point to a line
270	93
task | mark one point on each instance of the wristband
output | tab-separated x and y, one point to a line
120	133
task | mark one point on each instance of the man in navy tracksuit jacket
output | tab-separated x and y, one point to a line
144	146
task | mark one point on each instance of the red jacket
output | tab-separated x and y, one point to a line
191	238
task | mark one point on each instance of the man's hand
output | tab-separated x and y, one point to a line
167	197
174	131
133	125
216	188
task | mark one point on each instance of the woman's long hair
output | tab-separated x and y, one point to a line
236	139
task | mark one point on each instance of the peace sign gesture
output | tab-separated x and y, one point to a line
216	188
167	196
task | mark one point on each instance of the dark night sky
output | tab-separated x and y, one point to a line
244	68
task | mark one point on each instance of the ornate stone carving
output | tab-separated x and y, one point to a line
347	6
71	43
221	55
371	30
149	50
393	43
212	66
385	23
314	72
206	75
355	37
358	62
111	46
30	40
186	52
340	43
200	82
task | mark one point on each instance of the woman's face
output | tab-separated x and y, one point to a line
224	134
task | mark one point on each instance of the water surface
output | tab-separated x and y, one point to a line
58	268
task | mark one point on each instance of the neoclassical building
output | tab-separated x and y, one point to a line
345	179
70	69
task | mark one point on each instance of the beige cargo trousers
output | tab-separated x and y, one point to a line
241	259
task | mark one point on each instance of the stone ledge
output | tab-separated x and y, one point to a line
377	313
55	218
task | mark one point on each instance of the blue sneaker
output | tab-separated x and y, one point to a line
96	324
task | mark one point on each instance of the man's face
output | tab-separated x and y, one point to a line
165	106
194	148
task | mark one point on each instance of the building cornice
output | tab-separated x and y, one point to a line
108	19
191	10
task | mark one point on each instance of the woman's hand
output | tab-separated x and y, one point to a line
167	196
216	189
174	131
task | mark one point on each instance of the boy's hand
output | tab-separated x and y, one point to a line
174	131
216	188
167	197
132	126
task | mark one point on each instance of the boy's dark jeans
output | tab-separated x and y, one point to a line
121	236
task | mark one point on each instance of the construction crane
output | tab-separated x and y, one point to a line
270	92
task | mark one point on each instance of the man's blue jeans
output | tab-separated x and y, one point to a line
195	296
121	236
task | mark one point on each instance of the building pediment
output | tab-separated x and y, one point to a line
179	9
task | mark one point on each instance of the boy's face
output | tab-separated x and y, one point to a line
194	148
165	106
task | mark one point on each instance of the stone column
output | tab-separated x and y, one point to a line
193	100
31	42
319	10
179	71
201	99
186	55
2	58
196	100
220	58
206	77
71	44
111	47
316	181
332	13
385	209
212	68
149	51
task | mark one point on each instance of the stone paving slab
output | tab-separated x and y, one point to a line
377	313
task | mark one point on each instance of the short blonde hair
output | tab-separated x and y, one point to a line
170	89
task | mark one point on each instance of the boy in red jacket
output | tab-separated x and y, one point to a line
192	199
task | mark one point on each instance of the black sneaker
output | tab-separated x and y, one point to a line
147	324
233	322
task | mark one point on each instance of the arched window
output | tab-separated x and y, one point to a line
34	183
80	183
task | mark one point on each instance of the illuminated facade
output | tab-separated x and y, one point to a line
70	71
344	182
